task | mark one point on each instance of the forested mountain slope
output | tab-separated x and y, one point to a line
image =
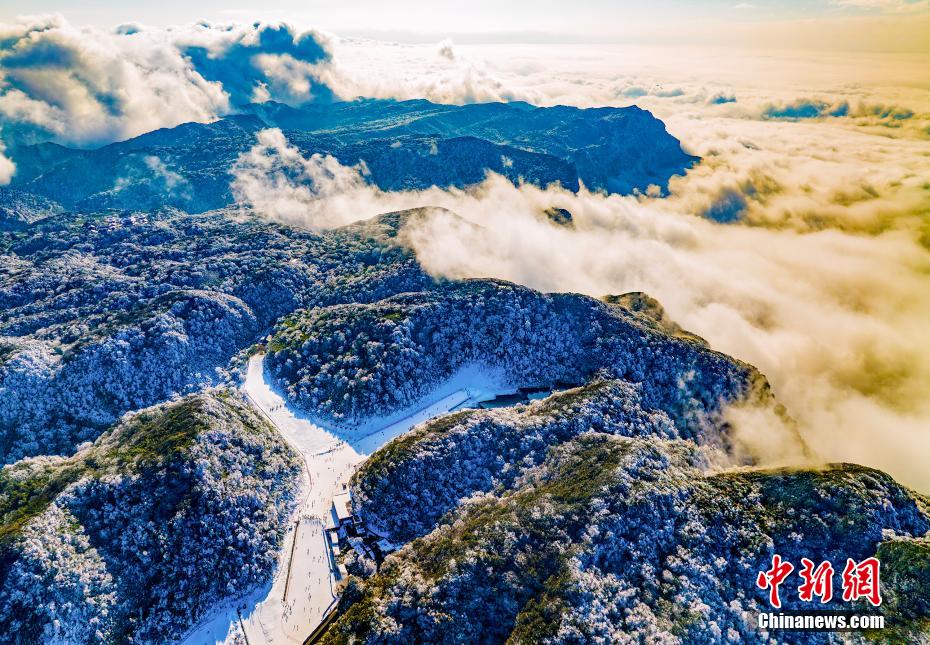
137	535
607	538
100	314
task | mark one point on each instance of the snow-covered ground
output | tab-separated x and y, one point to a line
288	609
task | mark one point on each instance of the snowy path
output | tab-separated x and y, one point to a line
331	456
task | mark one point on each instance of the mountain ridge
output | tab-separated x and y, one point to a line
407	145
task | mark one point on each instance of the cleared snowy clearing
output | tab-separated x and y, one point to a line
287	609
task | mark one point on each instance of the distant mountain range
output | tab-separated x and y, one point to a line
404	144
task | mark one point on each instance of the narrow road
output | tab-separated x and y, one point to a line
298	598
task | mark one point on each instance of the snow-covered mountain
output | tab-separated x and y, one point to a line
355	360
612	533
100	315
134	537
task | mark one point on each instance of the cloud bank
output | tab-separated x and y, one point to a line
816	109
87	86
836	321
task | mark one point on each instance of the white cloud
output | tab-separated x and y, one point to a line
836	321
381	70
275	60
274	179
174	183
7	167
85	86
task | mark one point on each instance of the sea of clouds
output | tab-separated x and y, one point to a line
836	320
799	243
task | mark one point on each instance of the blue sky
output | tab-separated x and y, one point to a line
410	20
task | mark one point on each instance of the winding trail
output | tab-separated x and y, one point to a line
289	608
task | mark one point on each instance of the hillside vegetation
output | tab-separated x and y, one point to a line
613	539
137	535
